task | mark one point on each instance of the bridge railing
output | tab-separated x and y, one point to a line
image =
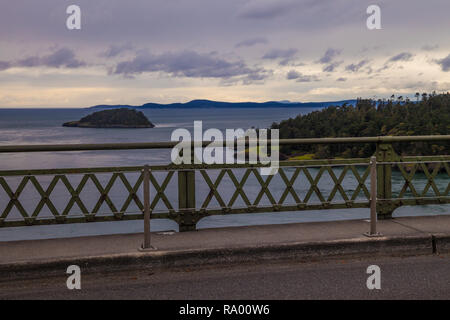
188	193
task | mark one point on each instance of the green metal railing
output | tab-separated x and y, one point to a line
176	194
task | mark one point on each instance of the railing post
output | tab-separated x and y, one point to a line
186	200
373	198
146	245
385	153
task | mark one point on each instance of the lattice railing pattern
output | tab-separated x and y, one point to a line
109	194
309	185
77	207
422	181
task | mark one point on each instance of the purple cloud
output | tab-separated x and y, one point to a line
299	77
332	66
4	65
404	56
267	9
428	47
356	67
63	57
444	63
329	55
251	42
188	64
280	53
116	50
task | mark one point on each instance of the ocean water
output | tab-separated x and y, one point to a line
43	126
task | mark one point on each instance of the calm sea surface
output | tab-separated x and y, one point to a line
43	126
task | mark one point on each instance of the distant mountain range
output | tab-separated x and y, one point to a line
209	104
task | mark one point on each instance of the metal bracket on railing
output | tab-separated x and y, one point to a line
373	199
146	245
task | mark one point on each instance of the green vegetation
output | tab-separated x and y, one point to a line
430	116
308	156
114	118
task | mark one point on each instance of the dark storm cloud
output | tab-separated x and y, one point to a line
329	55
188	64
251	42
63	57
116	50
356	67
404	56
444	63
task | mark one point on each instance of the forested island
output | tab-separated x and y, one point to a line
114	118
368	117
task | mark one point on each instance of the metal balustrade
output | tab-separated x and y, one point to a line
187	193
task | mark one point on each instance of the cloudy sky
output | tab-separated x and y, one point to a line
167	51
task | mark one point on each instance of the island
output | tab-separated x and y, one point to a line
113	118
209	104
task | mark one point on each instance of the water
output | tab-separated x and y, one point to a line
43	126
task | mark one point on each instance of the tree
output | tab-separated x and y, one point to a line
417	95
369	118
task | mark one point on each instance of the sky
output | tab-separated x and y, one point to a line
138	51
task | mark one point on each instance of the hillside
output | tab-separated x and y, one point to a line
206	104
431	116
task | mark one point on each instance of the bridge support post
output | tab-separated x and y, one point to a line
373	199
385	153
186	201
146	245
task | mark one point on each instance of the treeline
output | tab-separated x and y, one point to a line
368	117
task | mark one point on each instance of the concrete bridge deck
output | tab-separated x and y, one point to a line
303	241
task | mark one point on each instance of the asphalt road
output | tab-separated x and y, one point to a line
424	277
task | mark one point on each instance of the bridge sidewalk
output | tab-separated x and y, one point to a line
409	236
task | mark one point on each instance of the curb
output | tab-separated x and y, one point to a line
442	243
299	251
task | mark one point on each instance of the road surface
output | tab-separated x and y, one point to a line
422	277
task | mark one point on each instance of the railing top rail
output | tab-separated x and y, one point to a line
171	144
